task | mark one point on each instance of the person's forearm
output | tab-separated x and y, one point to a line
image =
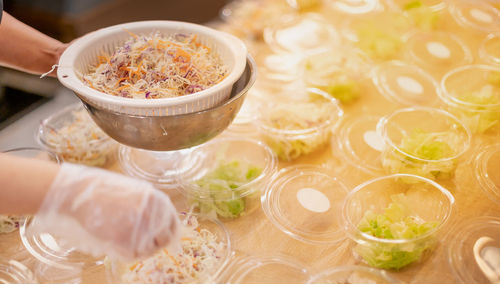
24	183
26	49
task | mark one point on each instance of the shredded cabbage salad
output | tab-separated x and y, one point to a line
482	117
157	66
80	140
286	118
423	16
220	189
395	223
430	146
202	253
10	223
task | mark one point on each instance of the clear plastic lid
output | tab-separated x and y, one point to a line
477	15
352	274
437	50
490	49
301	34
159	168
298	123
305	202
206	251
228	176
58	257
280	67
406	84
356	7
474	250
487	170
73	135
267	269
13	272
360	144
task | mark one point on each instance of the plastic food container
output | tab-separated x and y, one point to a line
433	5
437	52
487	171
266	269
479	16
473	250
83	53
337	73
472	93
380	36
396	223
159	168
75	138
405	84
298	123
352	274
356	7
359	144
243	123
10	223
13	272
228	178
490	49
305	202
305	34
213	235
57	262
422	141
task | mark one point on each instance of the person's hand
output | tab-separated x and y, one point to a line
101	212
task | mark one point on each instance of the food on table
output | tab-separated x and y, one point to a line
422	15
425	154
395	223
220	190
201	255
157	66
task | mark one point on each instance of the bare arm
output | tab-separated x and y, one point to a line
24	183
26	49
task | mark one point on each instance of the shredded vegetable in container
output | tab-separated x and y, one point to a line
425	154
395	223
10	223
76	138
202	254
479	116
219	190
295	128
157	66
424	17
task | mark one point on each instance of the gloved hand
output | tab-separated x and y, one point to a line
104	213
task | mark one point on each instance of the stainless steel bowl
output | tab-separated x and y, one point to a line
175	132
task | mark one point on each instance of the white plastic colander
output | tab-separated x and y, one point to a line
83	53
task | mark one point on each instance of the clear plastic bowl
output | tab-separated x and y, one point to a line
228	178
405	84
434	5
418	198
490	49
13	272
115	270
12	221
472	93
359	143
159	168
437	52
56	261
473	250
266	270
75	138
303	34
352	274
298	123
423	141
356	7
305	202
476	15
487	171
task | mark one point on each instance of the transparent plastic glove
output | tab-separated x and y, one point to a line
104	213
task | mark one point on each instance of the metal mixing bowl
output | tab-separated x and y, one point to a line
175	132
